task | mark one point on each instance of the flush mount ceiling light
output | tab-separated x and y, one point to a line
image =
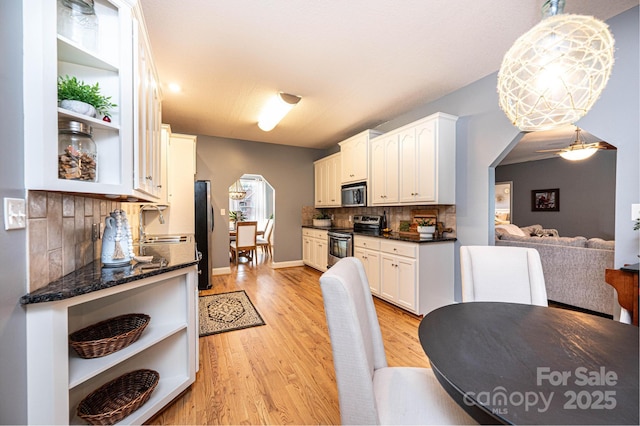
237	191
555	72
275	110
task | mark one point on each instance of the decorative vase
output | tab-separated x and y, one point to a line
79	107
426	232
322	222
116	241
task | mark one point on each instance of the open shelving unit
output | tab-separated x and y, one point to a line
115	66
58	379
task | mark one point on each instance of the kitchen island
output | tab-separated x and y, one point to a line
164	289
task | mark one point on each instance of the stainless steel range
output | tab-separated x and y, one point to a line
341	240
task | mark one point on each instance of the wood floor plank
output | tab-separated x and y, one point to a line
282	372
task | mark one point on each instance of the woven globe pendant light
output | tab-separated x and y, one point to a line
554	73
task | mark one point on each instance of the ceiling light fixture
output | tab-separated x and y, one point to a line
275	110
237	191
555	72
579	150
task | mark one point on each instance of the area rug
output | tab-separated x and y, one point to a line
226	312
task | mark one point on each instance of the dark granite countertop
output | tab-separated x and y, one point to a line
395	236
93	277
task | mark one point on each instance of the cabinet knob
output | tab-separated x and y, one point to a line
148	178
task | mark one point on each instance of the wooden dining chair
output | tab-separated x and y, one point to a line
502	274
264	241
245	240
369	391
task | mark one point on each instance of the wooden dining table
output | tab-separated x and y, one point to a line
514	363
233	233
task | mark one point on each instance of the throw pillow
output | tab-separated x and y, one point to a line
511	229
546	233
531	229
599	243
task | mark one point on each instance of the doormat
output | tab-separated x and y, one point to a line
227	312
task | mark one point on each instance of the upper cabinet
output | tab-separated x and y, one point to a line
147	117
383	188
423	170
355	157
117	58
327	181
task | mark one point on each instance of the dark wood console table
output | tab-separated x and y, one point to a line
625	281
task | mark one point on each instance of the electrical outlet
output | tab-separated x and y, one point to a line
349	218
15	213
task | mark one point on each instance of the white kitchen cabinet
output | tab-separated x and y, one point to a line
58	379
147	113
384	170
181	191
327	181
398	273
413	276
368	251
315	248
178	183
427	161
355	157
48	55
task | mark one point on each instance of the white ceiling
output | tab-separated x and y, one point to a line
356	63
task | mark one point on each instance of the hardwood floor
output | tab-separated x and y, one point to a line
280	373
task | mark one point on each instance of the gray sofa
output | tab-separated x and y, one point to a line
573	267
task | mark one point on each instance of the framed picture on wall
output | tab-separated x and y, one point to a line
545	200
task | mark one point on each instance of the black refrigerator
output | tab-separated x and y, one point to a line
204	229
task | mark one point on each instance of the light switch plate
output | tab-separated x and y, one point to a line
15	213
223	212
635	211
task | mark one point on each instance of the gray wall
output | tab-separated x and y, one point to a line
484	133
587	194
288	169
13	275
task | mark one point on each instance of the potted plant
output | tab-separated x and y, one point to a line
75	95
322	218
426	227
237	216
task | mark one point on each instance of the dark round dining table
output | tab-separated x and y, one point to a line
509	363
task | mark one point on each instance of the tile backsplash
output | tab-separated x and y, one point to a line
395	214
59	231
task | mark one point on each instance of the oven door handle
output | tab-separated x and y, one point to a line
340	237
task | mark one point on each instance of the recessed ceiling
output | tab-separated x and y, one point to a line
356	63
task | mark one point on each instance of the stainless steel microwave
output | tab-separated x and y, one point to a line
354	195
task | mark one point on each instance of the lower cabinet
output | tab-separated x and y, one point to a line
416	277
315	248
58	379
368	251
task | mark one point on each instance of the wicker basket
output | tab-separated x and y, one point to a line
118	398
109	336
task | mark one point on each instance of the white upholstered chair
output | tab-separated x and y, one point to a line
264	241
245	240
502	274
369	391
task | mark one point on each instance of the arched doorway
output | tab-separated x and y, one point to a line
586	187
252	198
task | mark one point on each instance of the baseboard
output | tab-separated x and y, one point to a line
221	271
290	264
